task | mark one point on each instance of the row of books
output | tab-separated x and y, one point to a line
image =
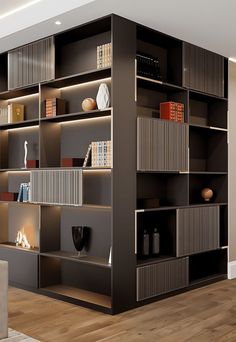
55	106
62	187
24	193
148	66
101	154
14	112
104	56
172	111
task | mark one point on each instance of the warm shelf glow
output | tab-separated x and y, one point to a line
22	97
87	83
23	128
101	118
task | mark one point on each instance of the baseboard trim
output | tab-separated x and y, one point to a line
232	270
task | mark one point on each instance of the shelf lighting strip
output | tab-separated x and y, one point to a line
86	83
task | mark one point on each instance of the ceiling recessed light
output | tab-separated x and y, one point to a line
58	22
232	59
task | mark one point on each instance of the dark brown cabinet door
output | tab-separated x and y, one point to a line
203	70
154	280
32	63
197	230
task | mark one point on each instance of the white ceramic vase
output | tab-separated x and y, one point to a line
103	96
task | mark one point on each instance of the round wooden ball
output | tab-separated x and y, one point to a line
89	104
206	194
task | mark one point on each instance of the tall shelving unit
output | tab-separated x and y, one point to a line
193	155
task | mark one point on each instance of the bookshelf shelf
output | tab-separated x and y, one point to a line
79	78
21	124
78	116
12	245
22	91
93	261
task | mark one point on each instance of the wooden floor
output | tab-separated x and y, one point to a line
206	314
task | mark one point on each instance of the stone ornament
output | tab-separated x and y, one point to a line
103	96
89	104
207	194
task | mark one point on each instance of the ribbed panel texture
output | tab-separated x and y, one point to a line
203	70
197	230
56	187
157	279
161	145
31	63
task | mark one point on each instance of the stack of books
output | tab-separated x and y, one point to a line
148	66
104	56
55	106
101	153
172	111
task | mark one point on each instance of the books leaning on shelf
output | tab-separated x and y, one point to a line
104	56
172	111
101	153
15	112
3	115
87	159
23	195
55	106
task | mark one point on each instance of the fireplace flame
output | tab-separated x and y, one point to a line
21	240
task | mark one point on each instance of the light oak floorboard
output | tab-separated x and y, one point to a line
206	314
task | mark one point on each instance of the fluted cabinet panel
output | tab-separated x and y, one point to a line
203	70
160	278
197	230
56	187
161	145
31	63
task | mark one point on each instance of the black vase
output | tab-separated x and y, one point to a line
80	236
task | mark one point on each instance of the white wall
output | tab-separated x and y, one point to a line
232	170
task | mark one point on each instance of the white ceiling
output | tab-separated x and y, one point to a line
9	5
210	24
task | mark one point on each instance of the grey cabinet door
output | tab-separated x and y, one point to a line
157	279
162	145
23	267
203	70
197	230
32	63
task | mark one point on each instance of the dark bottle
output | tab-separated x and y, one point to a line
145	243
155	242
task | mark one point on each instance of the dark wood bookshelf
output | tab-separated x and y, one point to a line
191	156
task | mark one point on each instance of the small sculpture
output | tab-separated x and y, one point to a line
89	104
207	194
21	240
103	96
26	152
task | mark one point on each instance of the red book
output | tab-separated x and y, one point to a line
167	111
32	164
172	111
72	162
8	196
